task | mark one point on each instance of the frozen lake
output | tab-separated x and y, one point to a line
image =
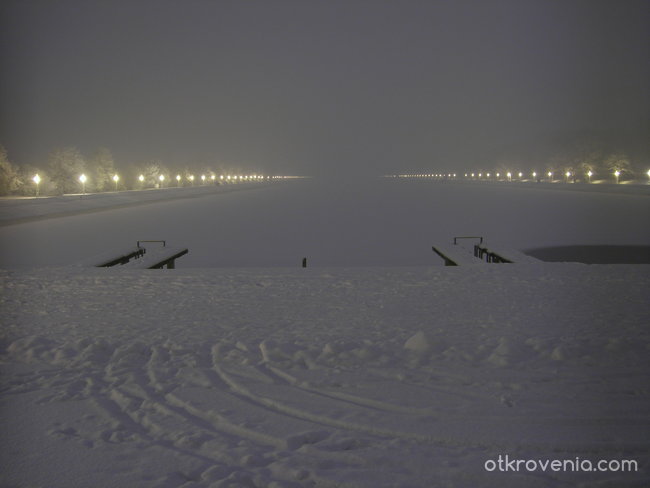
373	222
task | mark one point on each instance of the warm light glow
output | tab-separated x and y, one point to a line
520	174
36	179
589	173
116	178
202	177
191	178
550	174
141	178
82	178
161	178
617	173
568	173
509	174
178	177
534	174
213	177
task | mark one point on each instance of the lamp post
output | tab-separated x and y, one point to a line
550	176
568	175
162	179
116	178
203	179
617	173
83	179
589	175
178	180
36	179
141	180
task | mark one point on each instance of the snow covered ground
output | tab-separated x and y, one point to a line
366	376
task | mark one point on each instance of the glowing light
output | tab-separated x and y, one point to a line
83	178
520	174
509	175
116	178
36	179
534	174
178	178
203	178
617	173
213	177
161	178
141	178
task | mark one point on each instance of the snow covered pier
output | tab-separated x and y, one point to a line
139	257
502	255
458	256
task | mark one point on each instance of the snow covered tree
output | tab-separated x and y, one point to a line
618	162
102	169
64	168
152	172
10	180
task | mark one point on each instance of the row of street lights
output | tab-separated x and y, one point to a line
161	178
509	175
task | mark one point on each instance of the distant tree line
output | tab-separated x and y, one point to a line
583	160
61	174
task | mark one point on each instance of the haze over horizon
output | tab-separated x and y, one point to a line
321	88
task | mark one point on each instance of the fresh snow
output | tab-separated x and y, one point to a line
401	376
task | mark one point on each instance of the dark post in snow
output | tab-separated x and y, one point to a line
304	262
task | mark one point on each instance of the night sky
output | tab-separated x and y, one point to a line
319	87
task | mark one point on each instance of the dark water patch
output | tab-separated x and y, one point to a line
593	254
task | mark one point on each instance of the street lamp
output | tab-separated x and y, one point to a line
568	175
116	178
83	178
178	180
617	173
509	175
203	179
36	179
162	179
141	180
589	175
191	178
550	176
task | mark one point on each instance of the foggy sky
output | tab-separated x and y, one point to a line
318	87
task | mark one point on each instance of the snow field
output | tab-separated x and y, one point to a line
365	377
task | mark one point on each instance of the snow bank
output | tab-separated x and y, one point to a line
365	377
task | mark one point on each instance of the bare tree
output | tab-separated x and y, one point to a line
10	180
102	169
64	168
618	162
